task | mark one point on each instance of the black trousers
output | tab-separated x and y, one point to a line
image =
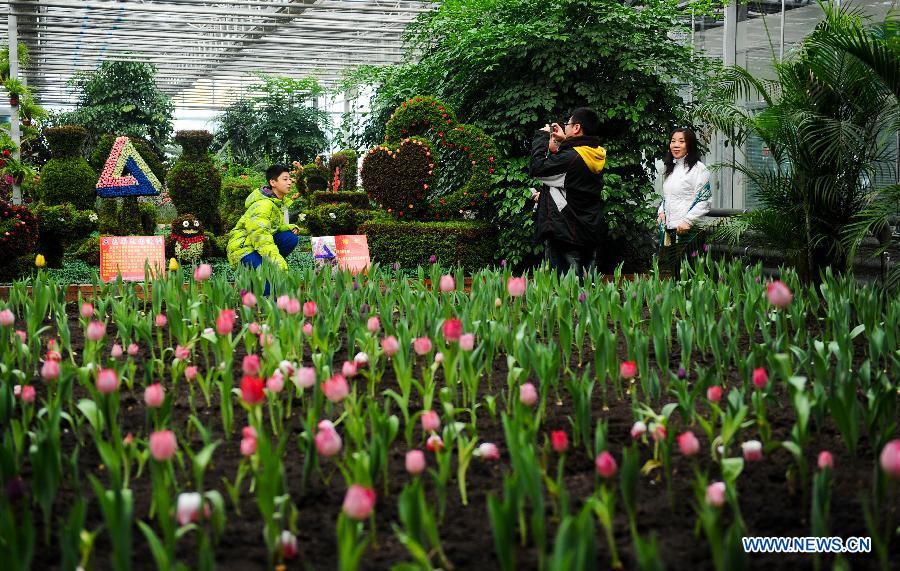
563	257
675	248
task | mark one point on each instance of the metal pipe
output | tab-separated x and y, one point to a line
412	7
14	132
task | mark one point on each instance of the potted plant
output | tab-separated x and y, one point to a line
15	89
17	169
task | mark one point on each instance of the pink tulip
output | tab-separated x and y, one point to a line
202	272
154	395
452	330
190	372
438	357
359	502
116	351
163	445
307	329
488	451
282	302
606	465
390	346
328	441
128	440
434	443
336	388
422	345
515	286
431	422
287	545
305	377
96	330
373	324
17	390
825	460
714	394
753	451
560	441
7	319
50	370
528	395
688	443
275	383
133	349
447	284
107	381
760	377
415	462
28	394
225	322
348	369
161	320
309	309
628	369
23	337
658	432
52	353
188	508
87	310
890	458
715	494
779	294
248	299
293	306
638	429
467	342
253	328
250	365
498	302
182	353
361	359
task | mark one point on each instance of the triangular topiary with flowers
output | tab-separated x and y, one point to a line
126	174
400	174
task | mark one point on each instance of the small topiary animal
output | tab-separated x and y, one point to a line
187	241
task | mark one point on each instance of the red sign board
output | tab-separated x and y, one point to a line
127	255
348	252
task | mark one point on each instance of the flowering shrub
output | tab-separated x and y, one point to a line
18	230
342	166
398	179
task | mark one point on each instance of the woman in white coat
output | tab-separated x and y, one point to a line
686	198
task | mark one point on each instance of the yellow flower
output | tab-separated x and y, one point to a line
39	261
173	264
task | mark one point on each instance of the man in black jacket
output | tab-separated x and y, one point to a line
569	160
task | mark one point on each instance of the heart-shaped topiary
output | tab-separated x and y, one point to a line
398	178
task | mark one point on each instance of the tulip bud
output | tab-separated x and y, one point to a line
422	345
50	370
28	394
714	394
516	286
890	459
359	502
7	319
752	450
488	451
373	324
779	294
188	507
715	494
107	381
390	346
39	261
305	377
328	441
688	443
415	462
287	545
760	377
173	265
309	309
467	342
628	369
606	465
133	349
528	395
154	395
825	460
163	445
202	272
560	441
431	422
638	429
161	320
96	330
336	388
434	443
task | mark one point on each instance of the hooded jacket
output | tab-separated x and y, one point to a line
254	231
571	207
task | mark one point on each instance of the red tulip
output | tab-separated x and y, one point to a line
434	443
452	330
560	441
825	460
606	465
628	369
760	377
688	443
714	394
252	390
287	545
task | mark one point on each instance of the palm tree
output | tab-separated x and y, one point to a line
829	120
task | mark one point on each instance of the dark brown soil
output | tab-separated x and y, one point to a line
769	505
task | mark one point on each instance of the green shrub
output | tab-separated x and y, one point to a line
18	230
333	219
354	199
148	217
67	178
316	176
108	219
143	147
194	183
346	161
16	268
471	245
87	250
60	226
234	193
129	217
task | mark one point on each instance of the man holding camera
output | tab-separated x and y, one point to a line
568	159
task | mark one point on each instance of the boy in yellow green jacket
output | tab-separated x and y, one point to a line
261	232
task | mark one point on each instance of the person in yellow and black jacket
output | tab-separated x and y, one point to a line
569	160
262	231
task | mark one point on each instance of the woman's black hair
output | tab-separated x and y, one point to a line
693	153
274	171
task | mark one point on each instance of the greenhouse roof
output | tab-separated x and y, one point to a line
207	52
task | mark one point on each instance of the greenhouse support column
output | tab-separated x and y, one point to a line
14	109
781	42
729	58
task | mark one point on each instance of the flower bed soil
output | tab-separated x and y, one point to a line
770	504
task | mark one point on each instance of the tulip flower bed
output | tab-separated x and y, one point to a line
530	423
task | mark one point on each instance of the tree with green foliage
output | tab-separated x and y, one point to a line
279	124
510	66
122	97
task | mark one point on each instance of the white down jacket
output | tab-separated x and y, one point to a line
686	194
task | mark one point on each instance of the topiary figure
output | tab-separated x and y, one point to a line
317	176
61	226
194	183
235	191
144	148
67	178
187	241
342	166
